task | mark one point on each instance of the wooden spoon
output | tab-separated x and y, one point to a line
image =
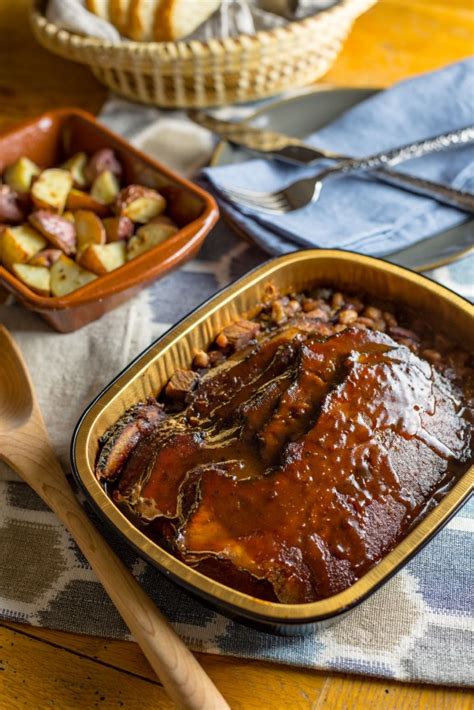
24	445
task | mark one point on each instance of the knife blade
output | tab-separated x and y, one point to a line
278	146
273	144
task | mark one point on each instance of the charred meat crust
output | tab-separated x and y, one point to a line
120	439
237	336
181	383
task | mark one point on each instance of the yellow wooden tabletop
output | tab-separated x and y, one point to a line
40	668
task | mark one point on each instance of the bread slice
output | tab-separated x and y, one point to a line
159	20
142	15
99	8
178	18
119	14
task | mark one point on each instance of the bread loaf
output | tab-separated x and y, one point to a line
178	18
154	20
99	7
142	18
119	14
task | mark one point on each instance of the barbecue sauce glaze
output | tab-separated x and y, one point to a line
299	462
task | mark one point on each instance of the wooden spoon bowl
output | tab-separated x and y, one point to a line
25	447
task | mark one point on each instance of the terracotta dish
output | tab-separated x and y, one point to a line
52	138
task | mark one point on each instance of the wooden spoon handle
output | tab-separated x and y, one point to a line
182	676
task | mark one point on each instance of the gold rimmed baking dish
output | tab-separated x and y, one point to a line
146	375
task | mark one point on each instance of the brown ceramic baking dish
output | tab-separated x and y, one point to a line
48	140
150	371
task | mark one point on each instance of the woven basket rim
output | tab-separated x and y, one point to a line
290	29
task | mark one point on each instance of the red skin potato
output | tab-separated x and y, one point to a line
45	257
103	159
118	228
60	232
11	211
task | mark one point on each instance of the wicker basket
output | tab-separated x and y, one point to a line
198	74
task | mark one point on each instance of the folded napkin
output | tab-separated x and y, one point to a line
362	214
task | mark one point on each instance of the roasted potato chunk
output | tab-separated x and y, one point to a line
140	204
59	232
20	175
118	228
101	161
102	258
76	165
105	188
89	230
19	244
11	211
74	222
163	219
149	236
45	257
38	278
67	276
51	189
78	200
183	207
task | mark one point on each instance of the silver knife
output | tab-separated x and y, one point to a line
272	144
278	146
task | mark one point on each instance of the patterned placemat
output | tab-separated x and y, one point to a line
417	627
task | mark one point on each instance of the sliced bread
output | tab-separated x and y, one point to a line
178	18
119	15
99	7
142	15
154	20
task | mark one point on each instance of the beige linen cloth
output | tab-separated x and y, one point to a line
68	370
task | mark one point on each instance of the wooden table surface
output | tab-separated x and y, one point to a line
40	668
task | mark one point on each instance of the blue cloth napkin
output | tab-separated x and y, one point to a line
362	214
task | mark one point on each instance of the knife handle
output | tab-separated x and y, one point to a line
418	149
435	190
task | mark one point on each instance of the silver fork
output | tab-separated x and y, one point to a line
300	193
